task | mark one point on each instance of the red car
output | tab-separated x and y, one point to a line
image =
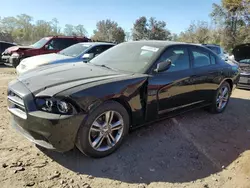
13	55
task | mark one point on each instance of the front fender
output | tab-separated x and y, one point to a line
125	91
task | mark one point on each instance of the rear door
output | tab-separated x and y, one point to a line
207	73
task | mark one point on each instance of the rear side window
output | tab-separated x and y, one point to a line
68	42
179	58
201	57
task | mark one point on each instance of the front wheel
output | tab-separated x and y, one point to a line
221	98
104	130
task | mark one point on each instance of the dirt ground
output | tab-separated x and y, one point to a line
196	149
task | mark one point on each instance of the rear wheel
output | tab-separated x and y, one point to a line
104	130
221	98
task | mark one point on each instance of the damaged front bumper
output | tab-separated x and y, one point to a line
51	131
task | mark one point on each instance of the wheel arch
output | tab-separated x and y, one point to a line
229	81
126	105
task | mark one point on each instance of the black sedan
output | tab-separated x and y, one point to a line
94	105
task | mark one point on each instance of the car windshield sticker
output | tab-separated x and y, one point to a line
150	48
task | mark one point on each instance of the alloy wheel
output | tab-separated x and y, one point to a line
222	98
106	131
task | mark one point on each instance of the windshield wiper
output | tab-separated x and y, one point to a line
105	66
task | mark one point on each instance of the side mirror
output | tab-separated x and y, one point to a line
46	46
163	66
87	57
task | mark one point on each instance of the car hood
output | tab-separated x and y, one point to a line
17	48
241	52
39	60
64	76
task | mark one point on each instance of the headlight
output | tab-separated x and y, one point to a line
55	106
15	55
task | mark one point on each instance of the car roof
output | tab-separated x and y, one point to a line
161	43
7	42
67	37
156	42
214	45
96	43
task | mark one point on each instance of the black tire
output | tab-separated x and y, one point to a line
16	62
83	143
214	108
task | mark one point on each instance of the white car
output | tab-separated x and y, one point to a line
80	52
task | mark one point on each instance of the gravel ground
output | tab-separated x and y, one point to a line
196	149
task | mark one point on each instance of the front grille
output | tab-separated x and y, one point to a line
16	105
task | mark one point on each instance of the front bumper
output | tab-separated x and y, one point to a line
244	81
52	131
10	61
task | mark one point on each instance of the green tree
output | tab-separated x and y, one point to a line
56	30
79	30
108	30
140	30
42	29
233	17
150	29
69	30
198	32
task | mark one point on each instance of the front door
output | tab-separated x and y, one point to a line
172	90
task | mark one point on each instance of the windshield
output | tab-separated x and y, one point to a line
40	43
215	49
132	57
75	50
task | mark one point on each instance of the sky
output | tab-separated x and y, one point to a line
178	14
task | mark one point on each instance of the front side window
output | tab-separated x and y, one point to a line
60	43
179	58
201	57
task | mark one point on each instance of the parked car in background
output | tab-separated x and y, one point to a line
93	105
80	52
242	56
3	46
13	55
219	51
